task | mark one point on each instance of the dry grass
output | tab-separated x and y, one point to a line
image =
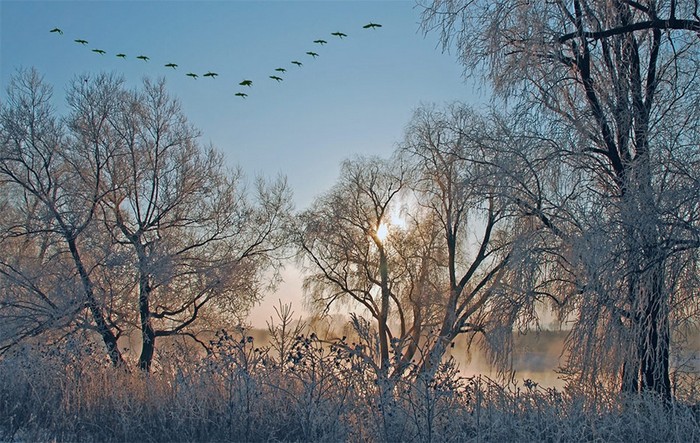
314	393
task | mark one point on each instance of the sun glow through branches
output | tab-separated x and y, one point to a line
382	232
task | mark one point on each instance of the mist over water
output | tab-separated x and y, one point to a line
536	357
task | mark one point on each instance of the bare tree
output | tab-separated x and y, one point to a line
341	236
161	235
469	178
44	172
197	237
616	82
446	270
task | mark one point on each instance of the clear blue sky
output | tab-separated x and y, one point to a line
355	98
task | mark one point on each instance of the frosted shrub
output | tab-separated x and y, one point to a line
321	391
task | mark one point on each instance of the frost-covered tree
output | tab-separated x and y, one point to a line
198	238
469	179
163	238
427	242
52	197
614	85
343	241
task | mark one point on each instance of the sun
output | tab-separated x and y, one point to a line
382	231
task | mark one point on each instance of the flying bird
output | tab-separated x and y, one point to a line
210	74
312	54
248	83
300	64
274	77
81	41
372	25
143	57
57	30
339	34
99	51
121	55
280	70
320	42
193	75
241	94
171	65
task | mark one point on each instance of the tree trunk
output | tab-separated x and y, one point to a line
148	334
655	338
384	311
647	366
108	337
648	298
447	333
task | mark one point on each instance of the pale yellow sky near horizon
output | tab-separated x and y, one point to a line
289	291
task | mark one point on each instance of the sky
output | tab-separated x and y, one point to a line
355	98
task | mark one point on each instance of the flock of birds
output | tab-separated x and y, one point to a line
210	74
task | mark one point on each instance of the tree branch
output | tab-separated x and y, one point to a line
672	23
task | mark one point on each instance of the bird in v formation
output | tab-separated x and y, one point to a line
211	74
